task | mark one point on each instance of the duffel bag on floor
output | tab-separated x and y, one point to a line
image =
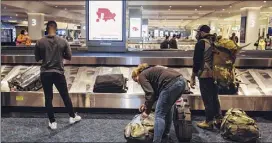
110	83
140	130
238	126
182	120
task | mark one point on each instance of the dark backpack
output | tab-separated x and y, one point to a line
110	83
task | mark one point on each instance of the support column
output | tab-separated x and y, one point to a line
83	30
145	29
249	26
36	25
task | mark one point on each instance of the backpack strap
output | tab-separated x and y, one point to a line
208	44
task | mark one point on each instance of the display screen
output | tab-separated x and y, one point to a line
243	30
161	34
135	27
156	33
105	20
144	30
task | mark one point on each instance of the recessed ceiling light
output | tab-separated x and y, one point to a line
200	6
195	9
264	1
169	9
230	6
223	9
170	6
16	14
56	6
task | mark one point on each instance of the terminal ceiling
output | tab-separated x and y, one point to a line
171	14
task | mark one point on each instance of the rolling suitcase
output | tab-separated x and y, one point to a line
29	80
182	120
110	83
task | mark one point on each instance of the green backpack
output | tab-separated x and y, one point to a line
238	126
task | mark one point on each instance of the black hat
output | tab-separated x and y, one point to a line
204	28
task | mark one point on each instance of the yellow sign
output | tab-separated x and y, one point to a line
19	98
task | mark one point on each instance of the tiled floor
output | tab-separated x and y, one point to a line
94	128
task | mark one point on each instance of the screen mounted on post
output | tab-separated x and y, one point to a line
105	20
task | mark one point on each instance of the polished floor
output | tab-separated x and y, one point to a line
95	128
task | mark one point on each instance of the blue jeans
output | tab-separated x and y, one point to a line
164	112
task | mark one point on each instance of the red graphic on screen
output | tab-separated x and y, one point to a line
108	15
135	29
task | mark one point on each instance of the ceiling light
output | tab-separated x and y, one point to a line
10	17
229	12
223	9
169	9
56	6
264	1
195	9
65	9
170	6
16	14
200	6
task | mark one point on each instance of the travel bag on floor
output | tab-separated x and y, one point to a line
182	120
238	126
29	80
110	83
140	130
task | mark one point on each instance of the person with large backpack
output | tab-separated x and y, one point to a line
202	63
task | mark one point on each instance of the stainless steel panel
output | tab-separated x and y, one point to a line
131	101
132	61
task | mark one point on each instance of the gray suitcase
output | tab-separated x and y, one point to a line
29	80
182	120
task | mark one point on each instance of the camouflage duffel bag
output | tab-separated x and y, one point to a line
238	126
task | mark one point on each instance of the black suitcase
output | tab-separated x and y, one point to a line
29	80
182	120
110	83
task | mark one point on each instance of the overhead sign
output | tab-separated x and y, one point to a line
135	27
105	20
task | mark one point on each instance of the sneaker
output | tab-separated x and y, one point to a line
205	125
75	119
53	125
217	123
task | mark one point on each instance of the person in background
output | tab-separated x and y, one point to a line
164	85
52	49
23	38
234	38
261	44
173	42
202	67
165	43
268	42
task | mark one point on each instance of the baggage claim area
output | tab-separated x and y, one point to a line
105	115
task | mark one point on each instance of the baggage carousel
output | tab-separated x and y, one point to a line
254	67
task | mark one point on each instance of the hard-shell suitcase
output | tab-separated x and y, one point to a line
110	83
182	120
29	80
